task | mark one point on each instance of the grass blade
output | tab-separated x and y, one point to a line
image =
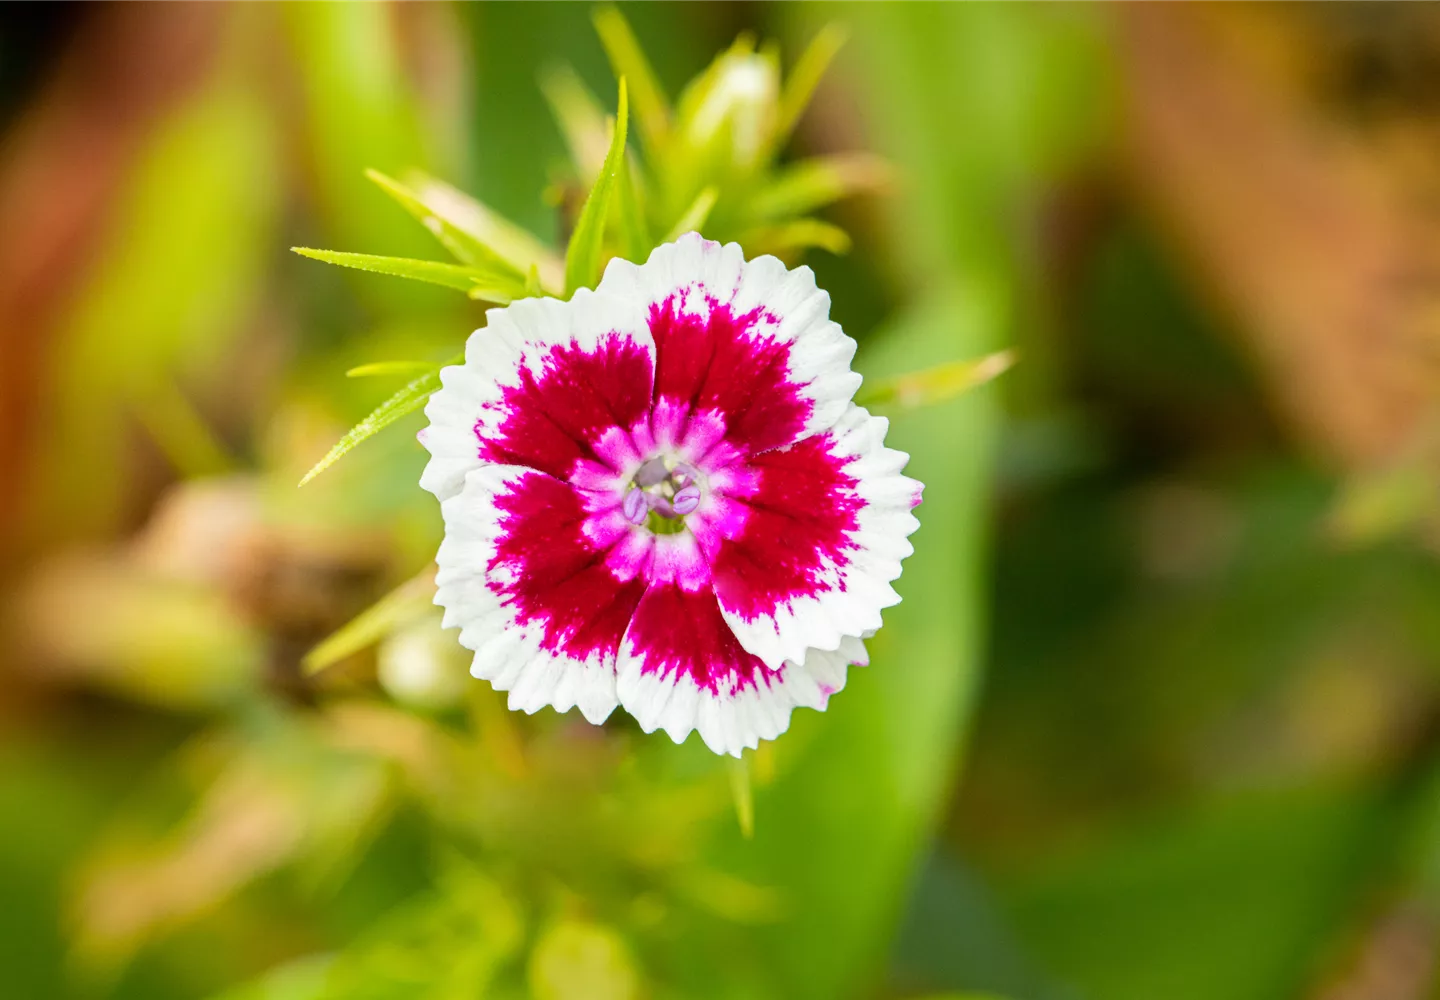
743	794
815	183
800	234
406	401
467	247
695	215
627	59
582	259
931	386
804	78
396	609
411	368
634	232
458	276
580	117
180	431
514	243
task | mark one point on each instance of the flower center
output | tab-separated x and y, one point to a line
663	491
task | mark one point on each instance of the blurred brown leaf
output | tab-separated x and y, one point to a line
1321	243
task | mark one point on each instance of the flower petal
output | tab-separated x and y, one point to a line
825	529
681	670
748	342
524	574
542	384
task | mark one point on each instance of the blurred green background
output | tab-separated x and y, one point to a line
1158	719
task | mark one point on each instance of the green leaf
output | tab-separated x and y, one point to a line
804	78
1172	905
627	59
938	384
475	281
353	109
874	770
573	960
694	217
302	979
466	246
815	183
407	400
441	945
634	233
1379	504
396	609
515	244
580	117
177	427
583	258
743	793
392	368
800	234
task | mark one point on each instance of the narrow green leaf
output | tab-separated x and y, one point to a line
1381	504
407	400
392	368
515	244
798	234
627	59
583	258
744	795
634	232
938	384
892	737
465	245
403	605
433	271
580	117
804	78
448	942
694	217
815	183
177	427
300	979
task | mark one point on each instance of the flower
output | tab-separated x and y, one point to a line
660	495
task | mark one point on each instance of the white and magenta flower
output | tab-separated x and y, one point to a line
659	495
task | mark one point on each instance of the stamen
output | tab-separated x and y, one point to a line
635	506
687	499
662	493
652	473
684	474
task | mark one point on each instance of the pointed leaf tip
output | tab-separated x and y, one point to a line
935	385
583	257
409	399
628	60
799	88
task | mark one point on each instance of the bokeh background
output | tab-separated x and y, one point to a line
1158	718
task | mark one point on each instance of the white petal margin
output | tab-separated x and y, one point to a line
855	594
519	335
508	654
730	724
820	352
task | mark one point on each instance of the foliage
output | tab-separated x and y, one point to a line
710	167
241	759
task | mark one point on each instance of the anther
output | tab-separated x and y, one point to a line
684	474
652	473
686	499
635	506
